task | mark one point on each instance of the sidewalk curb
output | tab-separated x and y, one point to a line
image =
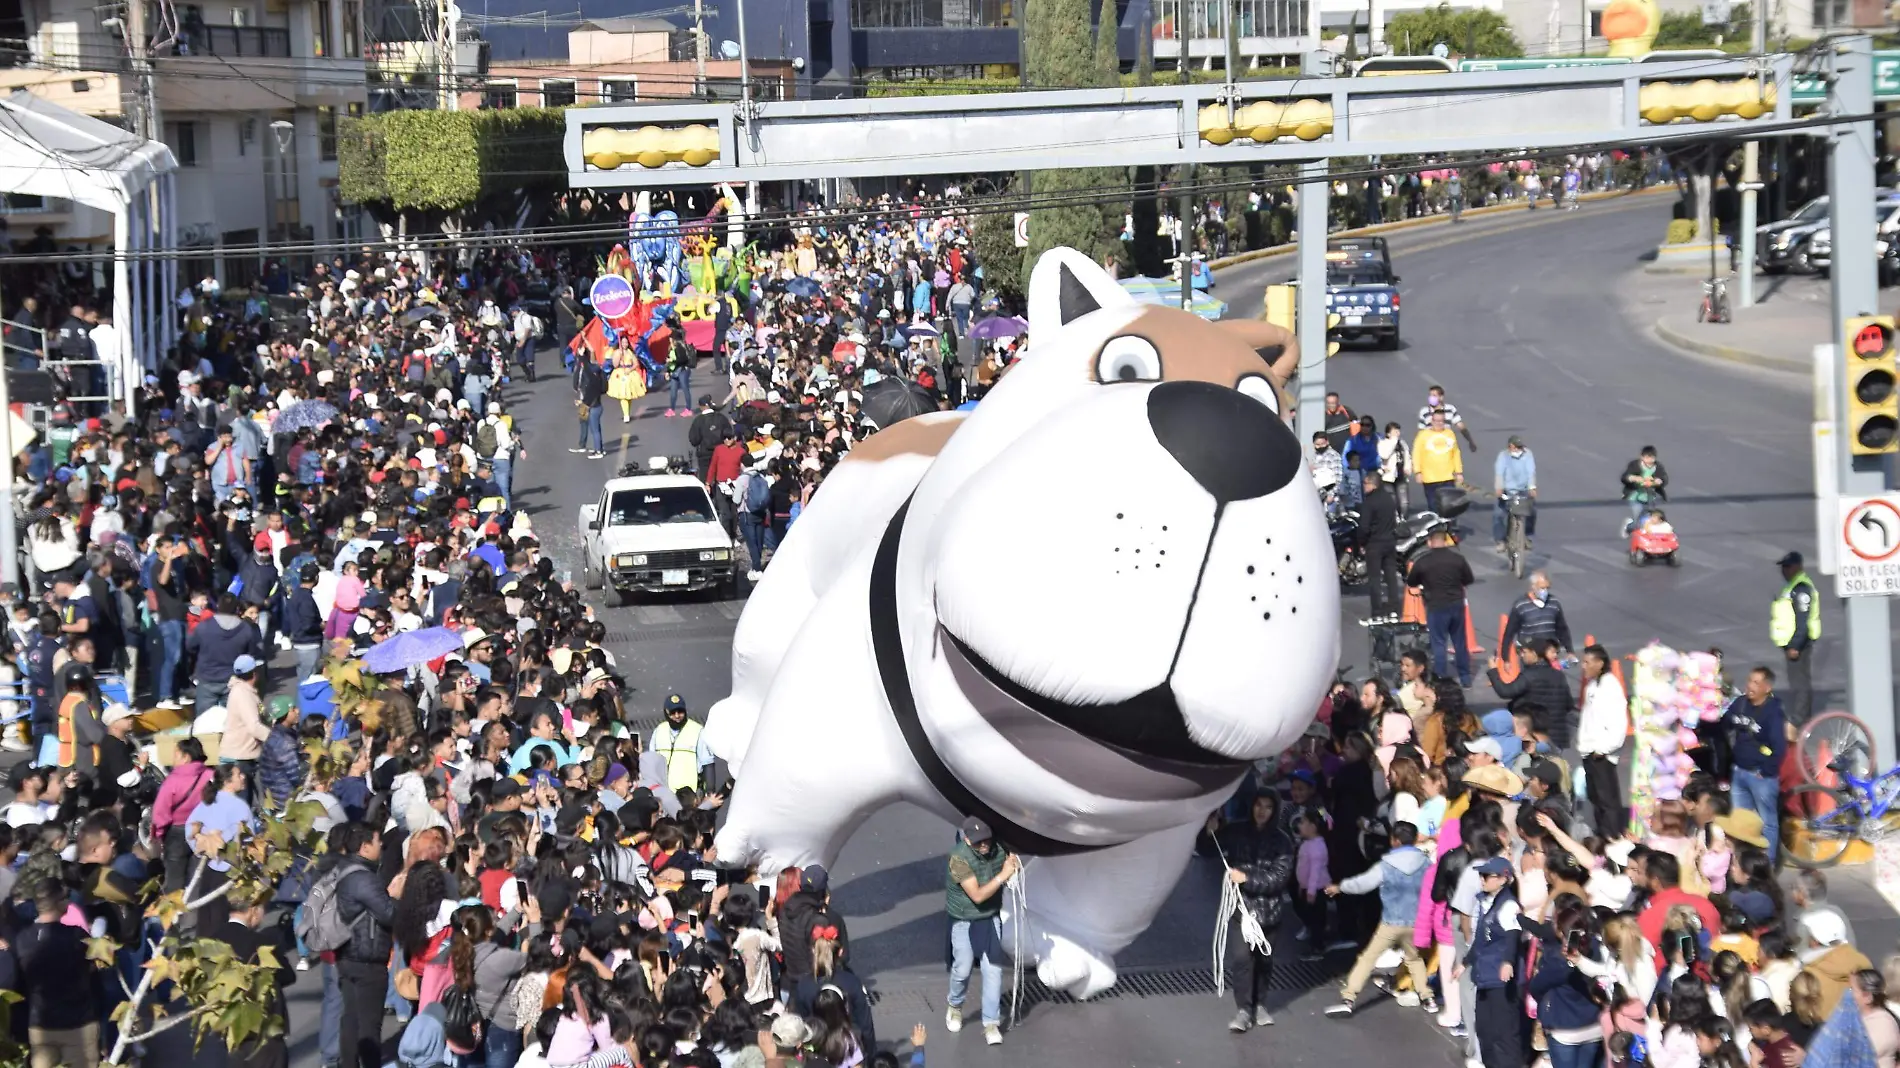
1413	224
1730	353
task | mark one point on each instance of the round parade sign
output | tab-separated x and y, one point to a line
612	296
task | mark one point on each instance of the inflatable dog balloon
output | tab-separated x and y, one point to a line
1078	611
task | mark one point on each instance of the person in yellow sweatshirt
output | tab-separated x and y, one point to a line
1436	458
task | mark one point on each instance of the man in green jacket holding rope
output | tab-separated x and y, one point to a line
973	893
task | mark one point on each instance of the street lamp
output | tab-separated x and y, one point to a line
284	132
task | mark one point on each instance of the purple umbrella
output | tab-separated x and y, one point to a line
997	326
410	648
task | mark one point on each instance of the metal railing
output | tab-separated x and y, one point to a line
922	14
233	42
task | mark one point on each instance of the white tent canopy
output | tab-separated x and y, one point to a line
50	151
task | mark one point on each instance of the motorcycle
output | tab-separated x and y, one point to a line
1348	546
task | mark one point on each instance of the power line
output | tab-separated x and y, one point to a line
967	208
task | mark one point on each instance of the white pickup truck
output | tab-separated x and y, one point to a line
655	533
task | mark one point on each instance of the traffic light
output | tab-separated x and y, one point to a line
608	148
1873	405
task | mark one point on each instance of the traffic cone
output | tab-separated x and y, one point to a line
1507	665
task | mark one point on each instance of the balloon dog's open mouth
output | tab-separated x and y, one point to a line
1136	750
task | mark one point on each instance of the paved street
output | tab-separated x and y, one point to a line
1542	325
1533	327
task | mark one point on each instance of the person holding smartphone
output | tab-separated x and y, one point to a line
1569	1002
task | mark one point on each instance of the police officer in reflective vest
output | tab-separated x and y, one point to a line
1794	624
677	741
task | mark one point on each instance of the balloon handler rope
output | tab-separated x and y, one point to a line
1250	930
1018	891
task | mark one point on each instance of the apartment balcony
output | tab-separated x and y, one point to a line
250	68
56	68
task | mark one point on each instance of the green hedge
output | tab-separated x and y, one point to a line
447	160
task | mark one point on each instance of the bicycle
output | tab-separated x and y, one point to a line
1866	810
1517	505
1714	307
1833	736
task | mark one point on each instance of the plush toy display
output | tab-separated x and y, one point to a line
1671	692
1086	651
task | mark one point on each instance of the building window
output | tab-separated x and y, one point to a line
247	135
20	202
619	90
320	37
498	95
955	14
326	132
557	92
352	35
183	137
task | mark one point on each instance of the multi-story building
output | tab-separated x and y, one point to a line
247	94
622	60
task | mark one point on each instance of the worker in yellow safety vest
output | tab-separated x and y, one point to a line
678	742
1794	625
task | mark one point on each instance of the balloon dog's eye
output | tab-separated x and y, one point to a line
1128	359
1257	387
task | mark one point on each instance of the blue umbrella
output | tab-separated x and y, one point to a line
802	287
998	326
304	415
419	313
410	648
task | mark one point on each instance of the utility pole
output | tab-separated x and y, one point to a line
9	548
1751	174
445	53
699	44
1850	182
142	107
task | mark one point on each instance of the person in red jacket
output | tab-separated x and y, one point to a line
728	458
1665	876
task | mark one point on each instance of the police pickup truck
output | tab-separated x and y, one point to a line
1362	290
656	531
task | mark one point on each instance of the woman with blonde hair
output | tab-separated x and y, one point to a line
1632	960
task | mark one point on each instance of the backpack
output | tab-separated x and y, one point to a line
487	440
323	928
536	328
413	369
461	1017
758	493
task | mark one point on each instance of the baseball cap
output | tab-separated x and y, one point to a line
1495	866
790	1032
975	830
244	664
261	543
1790	560
1548	773
815	879
1825	927
675	701
505	788
615	773
1486	745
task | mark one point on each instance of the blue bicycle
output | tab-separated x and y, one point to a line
1832	818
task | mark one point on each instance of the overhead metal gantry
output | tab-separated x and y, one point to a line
1283	121
1305	121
